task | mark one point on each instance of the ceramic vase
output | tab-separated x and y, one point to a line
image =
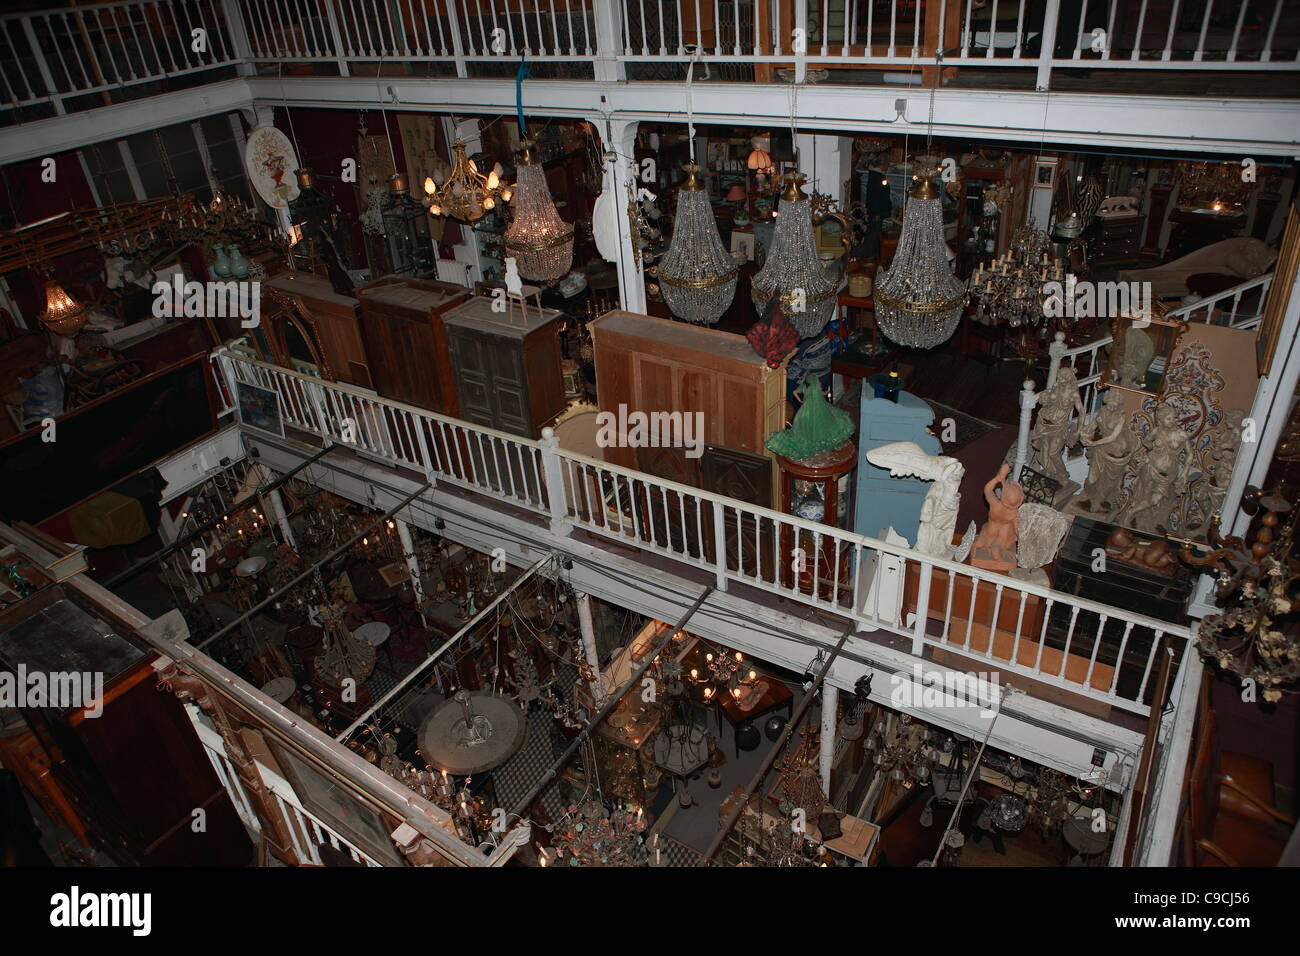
221	264
238	264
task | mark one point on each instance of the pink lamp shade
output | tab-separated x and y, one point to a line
760	160
737	194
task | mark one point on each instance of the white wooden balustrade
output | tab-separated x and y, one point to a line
989	620
57	56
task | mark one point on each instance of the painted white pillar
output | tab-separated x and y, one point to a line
830	722
631	286
1027	402
589	646
412	562
1055	352
281	516
823	160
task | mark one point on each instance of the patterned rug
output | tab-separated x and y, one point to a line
965	428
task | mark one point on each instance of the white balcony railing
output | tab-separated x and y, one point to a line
64	56
1097	651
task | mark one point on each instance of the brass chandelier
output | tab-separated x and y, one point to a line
467	193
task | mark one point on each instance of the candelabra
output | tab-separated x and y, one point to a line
1011	289
906	758
726	670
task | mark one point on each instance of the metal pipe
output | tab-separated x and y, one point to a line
311	570
614	698
776	749
469	625
136	568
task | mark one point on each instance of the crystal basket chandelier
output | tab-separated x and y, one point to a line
918	299
793	270
466	194
63	315
540	241
697	274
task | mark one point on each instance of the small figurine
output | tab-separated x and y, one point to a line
995	545
1124	546
939	510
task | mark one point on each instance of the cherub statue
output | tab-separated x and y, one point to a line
939	510
1162	476
1108	442
1054	432
995	545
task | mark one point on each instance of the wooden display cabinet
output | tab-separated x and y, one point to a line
506	365
406	342
658	365
333	325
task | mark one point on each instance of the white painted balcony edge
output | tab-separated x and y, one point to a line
59	55
1105	653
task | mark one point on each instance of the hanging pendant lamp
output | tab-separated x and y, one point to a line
540	241
918	299
793	271
697	274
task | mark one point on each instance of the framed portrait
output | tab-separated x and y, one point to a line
742	242
365	827
259	408
1045	173
1279	294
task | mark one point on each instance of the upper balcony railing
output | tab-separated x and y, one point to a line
1096	651
69	59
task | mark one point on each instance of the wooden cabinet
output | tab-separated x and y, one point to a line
406	343
334	319
657	365
507	365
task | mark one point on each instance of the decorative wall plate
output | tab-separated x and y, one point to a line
270	160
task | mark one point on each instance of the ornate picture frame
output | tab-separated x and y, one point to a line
1126	368
1279	294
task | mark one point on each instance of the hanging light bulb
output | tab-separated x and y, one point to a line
697	274
918	299
63	314
793	270
540	241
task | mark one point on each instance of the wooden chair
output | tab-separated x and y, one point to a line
1232	818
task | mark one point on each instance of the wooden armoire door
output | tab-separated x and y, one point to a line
473	378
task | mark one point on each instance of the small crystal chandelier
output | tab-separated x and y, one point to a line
918	299
1011	290
697	274
466	194
793	270
1213	185
540	241
63	314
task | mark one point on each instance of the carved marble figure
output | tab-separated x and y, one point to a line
939	509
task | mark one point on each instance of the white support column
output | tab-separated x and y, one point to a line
1027	402
589	646
412	562
608	68
830	721
281	517
822	159
631	286
1055	352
